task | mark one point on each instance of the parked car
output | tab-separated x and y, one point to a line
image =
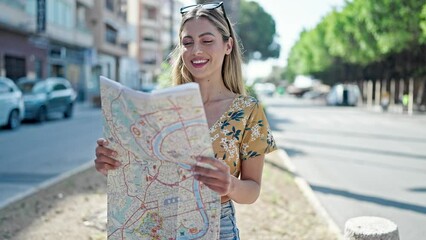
344	95
45	97
265	89
11	104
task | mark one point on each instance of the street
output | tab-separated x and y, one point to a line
36	153
358	162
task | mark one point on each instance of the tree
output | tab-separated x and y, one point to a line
256	29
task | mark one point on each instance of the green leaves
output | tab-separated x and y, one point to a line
256	29
365	34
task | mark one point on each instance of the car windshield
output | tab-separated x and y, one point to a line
32	87
4	88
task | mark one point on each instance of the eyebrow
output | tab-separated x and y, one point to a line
201	35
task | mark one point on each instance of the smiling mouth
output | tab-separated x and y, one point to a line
199	63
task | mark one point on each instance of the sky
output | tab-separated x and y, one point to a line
291	17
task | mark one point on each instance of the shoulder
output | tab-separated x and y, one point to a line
246	102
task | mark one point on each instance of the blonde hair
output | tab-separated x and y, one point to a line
231	68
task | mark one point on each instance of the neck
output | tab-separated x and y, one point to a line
213	90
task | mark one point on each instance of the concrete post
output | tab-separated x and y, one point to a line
364	90
401	89
370	94
392	92
377	93
410	96
370	228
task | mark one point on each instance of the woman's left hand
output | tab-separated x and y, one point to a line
217	178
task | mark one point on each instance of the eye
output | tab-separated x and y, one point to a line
187	43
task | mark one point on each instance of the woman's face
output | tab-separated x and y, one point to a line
203	49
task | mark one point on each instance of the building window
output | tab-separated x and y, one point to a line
81	17
122	11
18	4
149	35
15	67
60	13
110	5
150	57
150	13
57	70
110	34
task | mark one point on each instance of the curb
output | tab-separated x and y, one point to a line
46	184
307	192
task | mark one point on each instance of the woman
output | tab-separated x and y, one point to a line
209	54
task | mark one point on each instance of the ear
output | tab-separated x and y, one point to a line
229	46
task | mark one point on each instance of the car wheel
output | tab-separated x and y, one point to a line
68	113
14	120
41	115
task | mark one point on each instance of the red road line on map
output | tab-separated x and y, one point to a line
177	184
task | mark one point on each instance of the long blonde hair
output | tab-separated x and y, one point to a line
231	68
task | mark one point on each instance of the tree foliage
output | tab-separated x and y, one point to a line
365	39
256	29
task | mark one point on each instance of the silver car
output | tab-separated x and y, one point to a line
11	104
45	97
344	95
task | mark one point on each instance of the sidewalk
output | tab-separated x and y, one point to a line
75	208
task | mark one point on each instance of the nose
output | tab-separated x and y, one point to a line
197	49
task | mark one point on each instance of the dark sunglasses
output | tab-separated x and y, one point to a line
208	6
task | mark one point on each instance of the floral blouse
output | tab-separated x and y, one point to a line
241	132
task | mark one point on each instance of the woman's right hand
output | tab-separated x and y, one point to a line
105	157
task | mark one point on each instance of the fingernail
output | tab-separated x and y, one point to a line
117	163
114	154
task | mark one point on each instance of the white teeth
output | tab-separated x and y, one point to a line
199	61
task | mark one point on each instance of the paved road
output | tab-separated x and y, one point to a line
358	162
37	153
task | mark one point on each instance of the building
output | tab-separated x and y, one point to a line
44	38
156	24
21	52
112	35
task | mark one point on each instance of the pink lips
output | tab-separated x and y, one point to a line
198	63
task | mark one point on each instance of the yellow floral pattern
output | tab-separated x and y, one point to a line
241	132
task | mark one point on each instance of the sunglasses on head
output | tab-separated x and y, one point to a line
208	6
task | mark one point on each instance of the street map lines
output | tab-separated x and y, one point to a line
153	195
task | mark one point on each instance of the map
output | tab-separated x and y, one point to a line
153	194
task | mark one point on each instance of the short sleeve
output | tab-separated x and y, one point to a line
257	138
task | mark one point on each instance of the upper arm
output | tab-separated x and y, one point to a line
252	168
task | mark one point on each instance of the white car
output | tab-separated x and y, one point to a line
12	108
266	89
344	95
